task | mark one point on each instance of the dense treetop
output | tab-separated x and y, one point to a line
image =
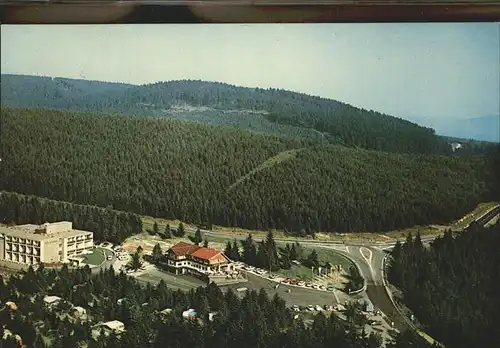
212	174
253	320
106	224
266	110
453	286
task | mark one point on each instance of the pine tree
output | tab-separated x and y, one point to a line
249	251
312	259
205	243
180	230
157	253
155	229
235	253
197	237
293	252
228	249
168	232
271	252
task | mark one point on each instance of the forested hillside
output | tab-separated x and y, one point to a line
255	320
107	224
207	174
453	287
265	110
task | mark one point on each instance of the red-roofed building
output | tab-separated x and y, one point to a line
185	258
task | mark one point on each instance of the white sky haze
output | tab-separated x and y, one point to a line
405	70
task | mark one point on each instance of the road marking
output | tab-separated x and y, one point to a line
369	258
336	297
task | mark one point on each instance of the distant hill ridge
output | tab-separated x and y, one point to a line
272	111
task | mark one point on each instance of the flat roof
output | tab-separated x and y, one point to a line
28	232
114	324
51	299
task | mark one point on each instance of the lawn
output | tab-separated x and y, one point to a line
304	273
97	257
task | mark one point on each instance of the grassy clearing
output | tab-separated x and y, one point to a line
324	255
97	257
270	162
425	231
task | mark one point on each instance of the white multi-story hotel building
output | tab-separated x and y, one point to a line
48	243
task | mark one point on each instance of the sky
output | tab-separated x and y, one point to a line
423	70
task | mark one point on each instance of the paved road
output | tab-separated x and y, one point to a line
105	265
369	259
174	282
367	256
297	295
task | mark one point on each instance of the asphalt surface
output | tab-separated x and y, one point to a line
367	257
105	265
175	282
297	296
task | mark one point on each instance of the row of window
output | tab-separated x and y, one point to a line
23	241
22	248
188	263
22	258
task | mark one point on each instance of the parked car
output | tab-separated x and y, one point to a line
315	286
322	287
310	308
301	283
309	285
330	288
318	308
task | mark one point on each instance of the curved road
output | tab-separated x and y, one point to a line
369	258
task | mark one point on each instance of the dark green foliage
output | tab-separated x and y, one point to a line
107	224
272	110
157	253
168	232
136	262
235	252
249	254
180	230
312	259
198	173
264	255
453	286
229	249
198	237
285	257
253	321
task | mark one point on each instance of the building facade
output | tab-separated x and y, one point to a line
49	243
184	258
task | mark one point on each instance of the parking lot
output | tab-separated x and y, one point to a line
182	282
297	296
